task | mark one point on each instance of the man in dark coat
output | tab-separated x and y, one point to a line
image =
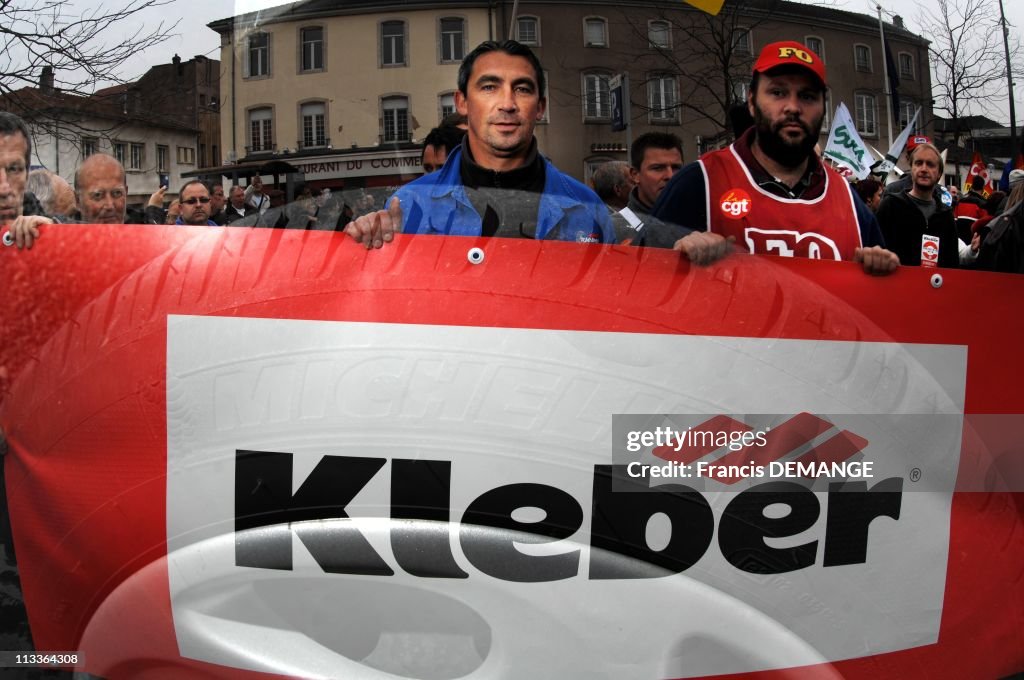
916	225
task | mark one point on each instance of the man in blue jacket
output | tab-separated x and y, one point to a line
195	205
497	183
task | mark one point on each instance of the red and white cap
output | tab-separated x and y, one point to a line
790	53
914	140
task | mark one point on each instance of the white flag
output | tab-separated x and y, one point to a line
887	164
893	174
845	147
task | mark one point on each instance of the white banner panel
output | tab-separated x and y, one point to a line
519	418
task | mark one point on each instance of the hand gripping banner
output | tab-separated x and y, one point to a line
254	453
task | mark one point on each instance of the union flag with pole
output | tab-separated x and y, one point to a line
978	169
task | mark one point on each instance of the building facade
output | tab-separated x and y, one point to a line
160	127
970	135
187	92
318	84
343	92
146	150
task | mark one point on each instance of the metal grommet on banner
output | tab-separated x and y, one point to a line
936	280
475	255
8	238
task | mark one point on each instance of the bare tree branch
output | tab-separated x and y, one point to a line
966	54
709	57
84	50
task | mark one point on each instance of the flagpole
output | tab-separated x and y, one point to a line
1009	79
885	77
512	24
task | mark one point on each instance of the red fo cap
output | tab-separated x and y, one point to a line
912	142
790	53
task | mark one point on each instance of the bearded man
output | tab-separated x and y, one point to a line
917	225
769	190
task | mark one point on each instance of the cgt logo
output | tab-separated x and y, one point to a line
735	204
620	510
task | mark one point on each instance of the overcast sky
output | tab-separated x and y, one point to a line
193	37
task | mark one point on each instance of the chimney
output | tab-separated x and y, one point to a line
46	80
897	21
177	65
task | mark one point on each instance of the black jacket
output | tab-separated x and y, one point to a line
231	214
653	233
903	225
30	205
1003	248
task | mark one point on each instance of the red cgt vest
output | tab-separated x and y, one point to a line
823	228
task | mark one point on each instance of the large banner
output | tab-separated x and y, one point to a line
267	453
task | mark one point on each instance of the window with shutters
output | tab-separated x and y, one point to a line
597	102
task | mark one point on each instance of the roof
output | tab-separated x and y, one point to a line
326	8
30	102
272	166
113	90
967	123
309	9
831	15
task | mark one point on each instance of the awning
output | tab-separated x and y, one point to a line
273	166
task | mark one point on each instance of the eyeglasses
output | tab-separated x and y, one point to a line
192	201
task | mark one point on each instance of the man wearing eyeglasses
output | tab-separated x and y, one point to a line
20	212
195	205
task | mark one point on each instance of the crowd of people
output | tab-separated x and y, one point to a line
921	218
767	193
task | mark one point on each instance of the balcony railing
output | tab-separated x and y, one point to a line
324	144
261	148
